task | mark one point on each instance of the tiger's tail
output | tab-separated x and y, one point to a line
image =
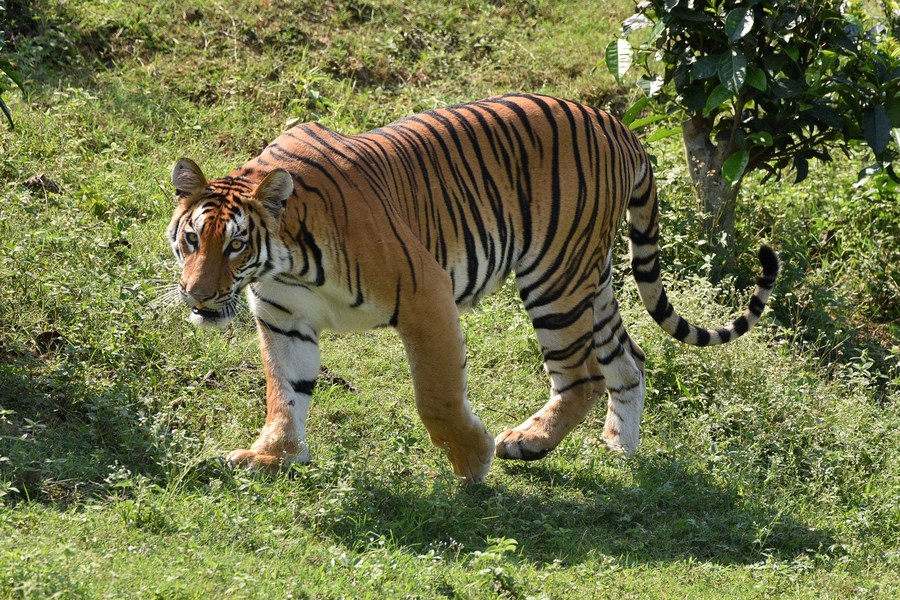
643	235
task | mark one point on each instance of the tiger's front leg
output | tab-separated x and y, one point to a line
291	359
434	344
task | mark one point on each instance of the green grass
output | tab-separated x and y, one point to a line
769	467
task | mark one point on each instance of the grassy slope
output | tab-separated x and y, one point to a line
769	467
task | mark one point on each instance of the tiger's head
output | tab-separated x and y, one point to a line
221	235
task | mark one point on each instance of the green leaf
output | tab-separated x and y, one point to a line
783	89
732	69
650	85
637	124
827	116
635	22
634	110
663	133
760	138
657	30
734	165
718	97
619	55
801	165
11	72
756	78
738	23
694	98
704	68
893	109
877	128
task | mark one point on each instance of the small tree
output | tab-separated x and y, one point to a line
760	85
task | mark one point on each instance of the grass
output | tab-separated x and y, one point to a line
769	467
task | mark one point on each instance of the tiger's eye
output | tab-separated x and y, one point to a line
235	246
191	238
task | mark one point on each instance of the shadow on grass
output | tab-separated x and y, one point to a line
62	438
671	512
65	438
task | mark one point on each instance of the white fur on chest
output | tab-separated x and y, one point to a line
315	306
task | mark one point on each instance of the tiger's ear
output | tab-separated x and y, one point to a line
274	191
187	178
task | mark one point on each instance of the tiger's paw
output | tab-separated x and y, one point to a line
262	461
516	444
616	447
624	443
472	461
253	460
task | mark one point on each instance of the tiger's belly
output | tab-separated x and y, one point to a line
281	303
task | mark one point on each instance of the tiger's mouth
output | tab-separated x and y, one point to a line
207	317
205	313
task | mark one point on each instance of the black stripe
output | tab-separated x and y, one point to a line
682	330
563	353
563	320
577	361
580	381
291	333
640	201
304	386
644	238
646	276
663	308
741	325
624	388
605	360
396	316
552	220
766	282
599	325
757	306
359	294
725	334
271	302
703	337
310	242
613	333
637	352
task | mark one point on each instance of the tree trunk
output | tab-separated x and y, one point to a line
716	196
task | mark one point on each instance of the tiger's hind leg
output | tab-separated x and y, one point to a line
621	361
564	328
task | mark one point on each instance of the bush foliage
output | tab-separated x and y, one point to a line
755	85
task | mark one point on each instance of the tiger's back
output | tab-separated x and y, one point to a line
517	183
405	225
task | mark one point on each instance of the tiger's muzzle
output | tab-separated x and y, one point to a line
209	310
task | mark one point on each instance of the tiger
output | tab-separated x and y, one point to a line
408	225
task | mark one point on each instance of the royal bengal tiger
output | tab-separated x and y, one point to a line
407	225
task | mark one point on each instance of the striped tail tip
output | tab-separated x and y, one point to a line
771	267
678	327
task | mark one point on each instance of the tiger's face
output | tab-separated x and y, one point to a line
218	234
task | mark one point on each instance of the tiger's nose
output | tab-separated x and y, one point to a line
198	296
